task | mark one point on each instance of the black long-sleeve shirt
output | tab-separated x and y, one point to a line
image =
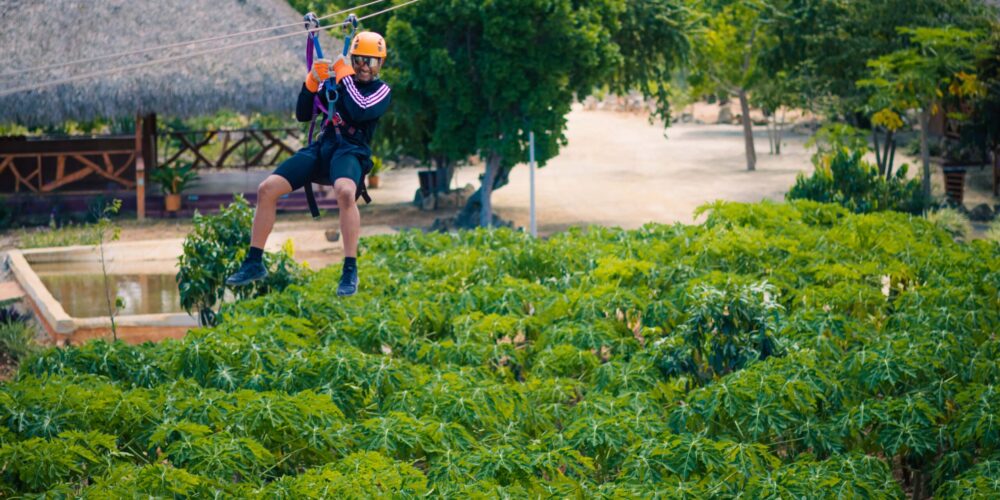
359	105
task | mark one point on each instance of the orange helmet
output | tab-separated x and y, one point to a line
368	43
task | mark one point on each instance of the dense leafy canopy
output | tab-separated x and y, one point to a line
828	43
773	351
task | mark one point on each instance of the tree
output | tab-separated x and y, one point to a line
917	78
828	42
776	94
727	52
474	77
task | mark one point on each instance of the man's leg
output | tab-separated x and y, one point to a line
292	174
350	230
274	187
350	216
345	170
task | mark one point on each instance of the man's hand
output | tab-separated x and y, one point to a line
320	73
342	67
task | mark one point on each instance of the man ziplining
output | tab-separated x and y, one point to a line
341	157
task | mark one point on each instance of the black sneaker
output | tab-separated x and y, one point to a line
249	272
348	282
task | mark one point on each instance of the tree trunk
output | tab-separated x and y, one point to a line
878	151
779	129
747	130
771	131
890	141
486	213
924	153
472	215
445	172
892	156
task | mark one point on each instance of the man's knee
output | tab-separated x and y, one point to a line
271	189
344	190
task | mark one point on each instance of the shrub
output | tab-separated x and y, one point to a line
214	249
17	340
952	221
844	177
993	232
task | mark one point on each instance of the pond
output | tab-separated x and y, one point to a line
79	288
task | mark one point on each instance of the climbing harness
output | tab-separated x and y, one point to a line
330	110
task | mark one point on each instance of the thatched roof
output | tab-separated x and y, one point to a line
259	78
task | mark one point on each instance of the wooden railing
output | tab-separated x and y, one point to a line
223	149
77	164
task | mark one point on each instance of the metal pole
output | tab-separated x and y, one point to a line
531	158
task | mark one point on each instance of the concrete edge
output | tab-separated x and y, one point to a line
49	308
143	250
139	320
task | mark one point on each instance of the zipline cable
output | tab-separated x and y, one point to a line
84	76
175	45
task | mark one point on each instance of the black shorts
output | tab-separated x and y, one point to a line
324	162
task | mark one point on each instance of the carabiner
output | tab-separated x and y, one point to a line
312	29
351	21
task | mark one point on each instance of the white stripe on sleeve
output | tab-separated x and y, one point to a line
361	100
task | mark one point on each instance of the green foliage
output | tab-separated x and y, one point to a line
846	178
38	464
993	232
174	179
827	43
362	475
952	221
17	335
729	326
833	137
775	350
916	77
214	249
728	47
471	74
56	237
981	482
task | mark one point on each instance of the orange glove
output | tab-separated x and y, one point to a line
341	68
320	73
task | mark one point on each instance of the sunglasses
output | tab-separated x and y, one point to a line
370	61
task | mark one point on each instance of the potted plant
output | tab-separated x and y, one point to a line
173	180
378	166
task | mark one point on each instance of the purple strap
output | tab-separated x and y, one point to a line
316	104
309	52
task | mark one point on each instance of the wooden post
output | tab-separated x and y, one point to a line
149	148
140	172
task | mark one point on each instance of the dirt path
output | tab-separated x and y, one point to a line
619	170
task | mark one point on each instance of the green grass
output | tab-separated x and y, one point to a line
60	237
17	339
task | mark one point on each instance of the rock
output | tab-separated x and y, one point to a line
452	199
428	203
332	235
954	205
981	213
725	115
